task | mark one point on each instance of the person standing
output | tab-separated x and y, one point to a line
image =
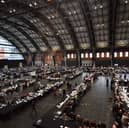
107	82
112	83
54	91
64	93
34	110
125	76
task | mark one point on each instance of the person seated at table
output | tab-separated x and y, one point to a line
11	83
119	116
69	107
102	125
65	117
79	121
15	96
35	88
125	120
115	108
72	115
115	125
9	98
98	126
86	123
93	124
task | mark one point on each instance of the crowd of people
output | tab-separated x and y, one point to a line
83	122
119	110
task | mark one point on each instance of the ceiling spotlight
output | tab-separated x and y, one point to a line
57	34
122	21
101	6
53	16
35	4
35	20
102	25
2	1
97	25
95	7
70	13
74	12
128	21
30	5
32	21
14	10
126	1
10	11
49	17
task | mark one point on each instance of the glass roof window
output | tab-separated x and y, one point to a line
4	41
8	50
12	40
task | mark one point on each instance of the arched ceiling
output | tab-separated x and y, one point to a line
44	25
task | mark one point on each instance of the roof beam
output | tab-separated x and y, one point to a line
16	24
16	37
113	4
6	21
88	21
48	23
32	26
41	17
69	27
29	38
3	35
67	23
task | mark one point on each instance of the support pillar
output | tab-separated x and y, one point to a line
94	57
78	58
65	59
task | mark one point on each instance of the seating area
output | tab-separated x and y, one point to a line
65	109
64	63
19	92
